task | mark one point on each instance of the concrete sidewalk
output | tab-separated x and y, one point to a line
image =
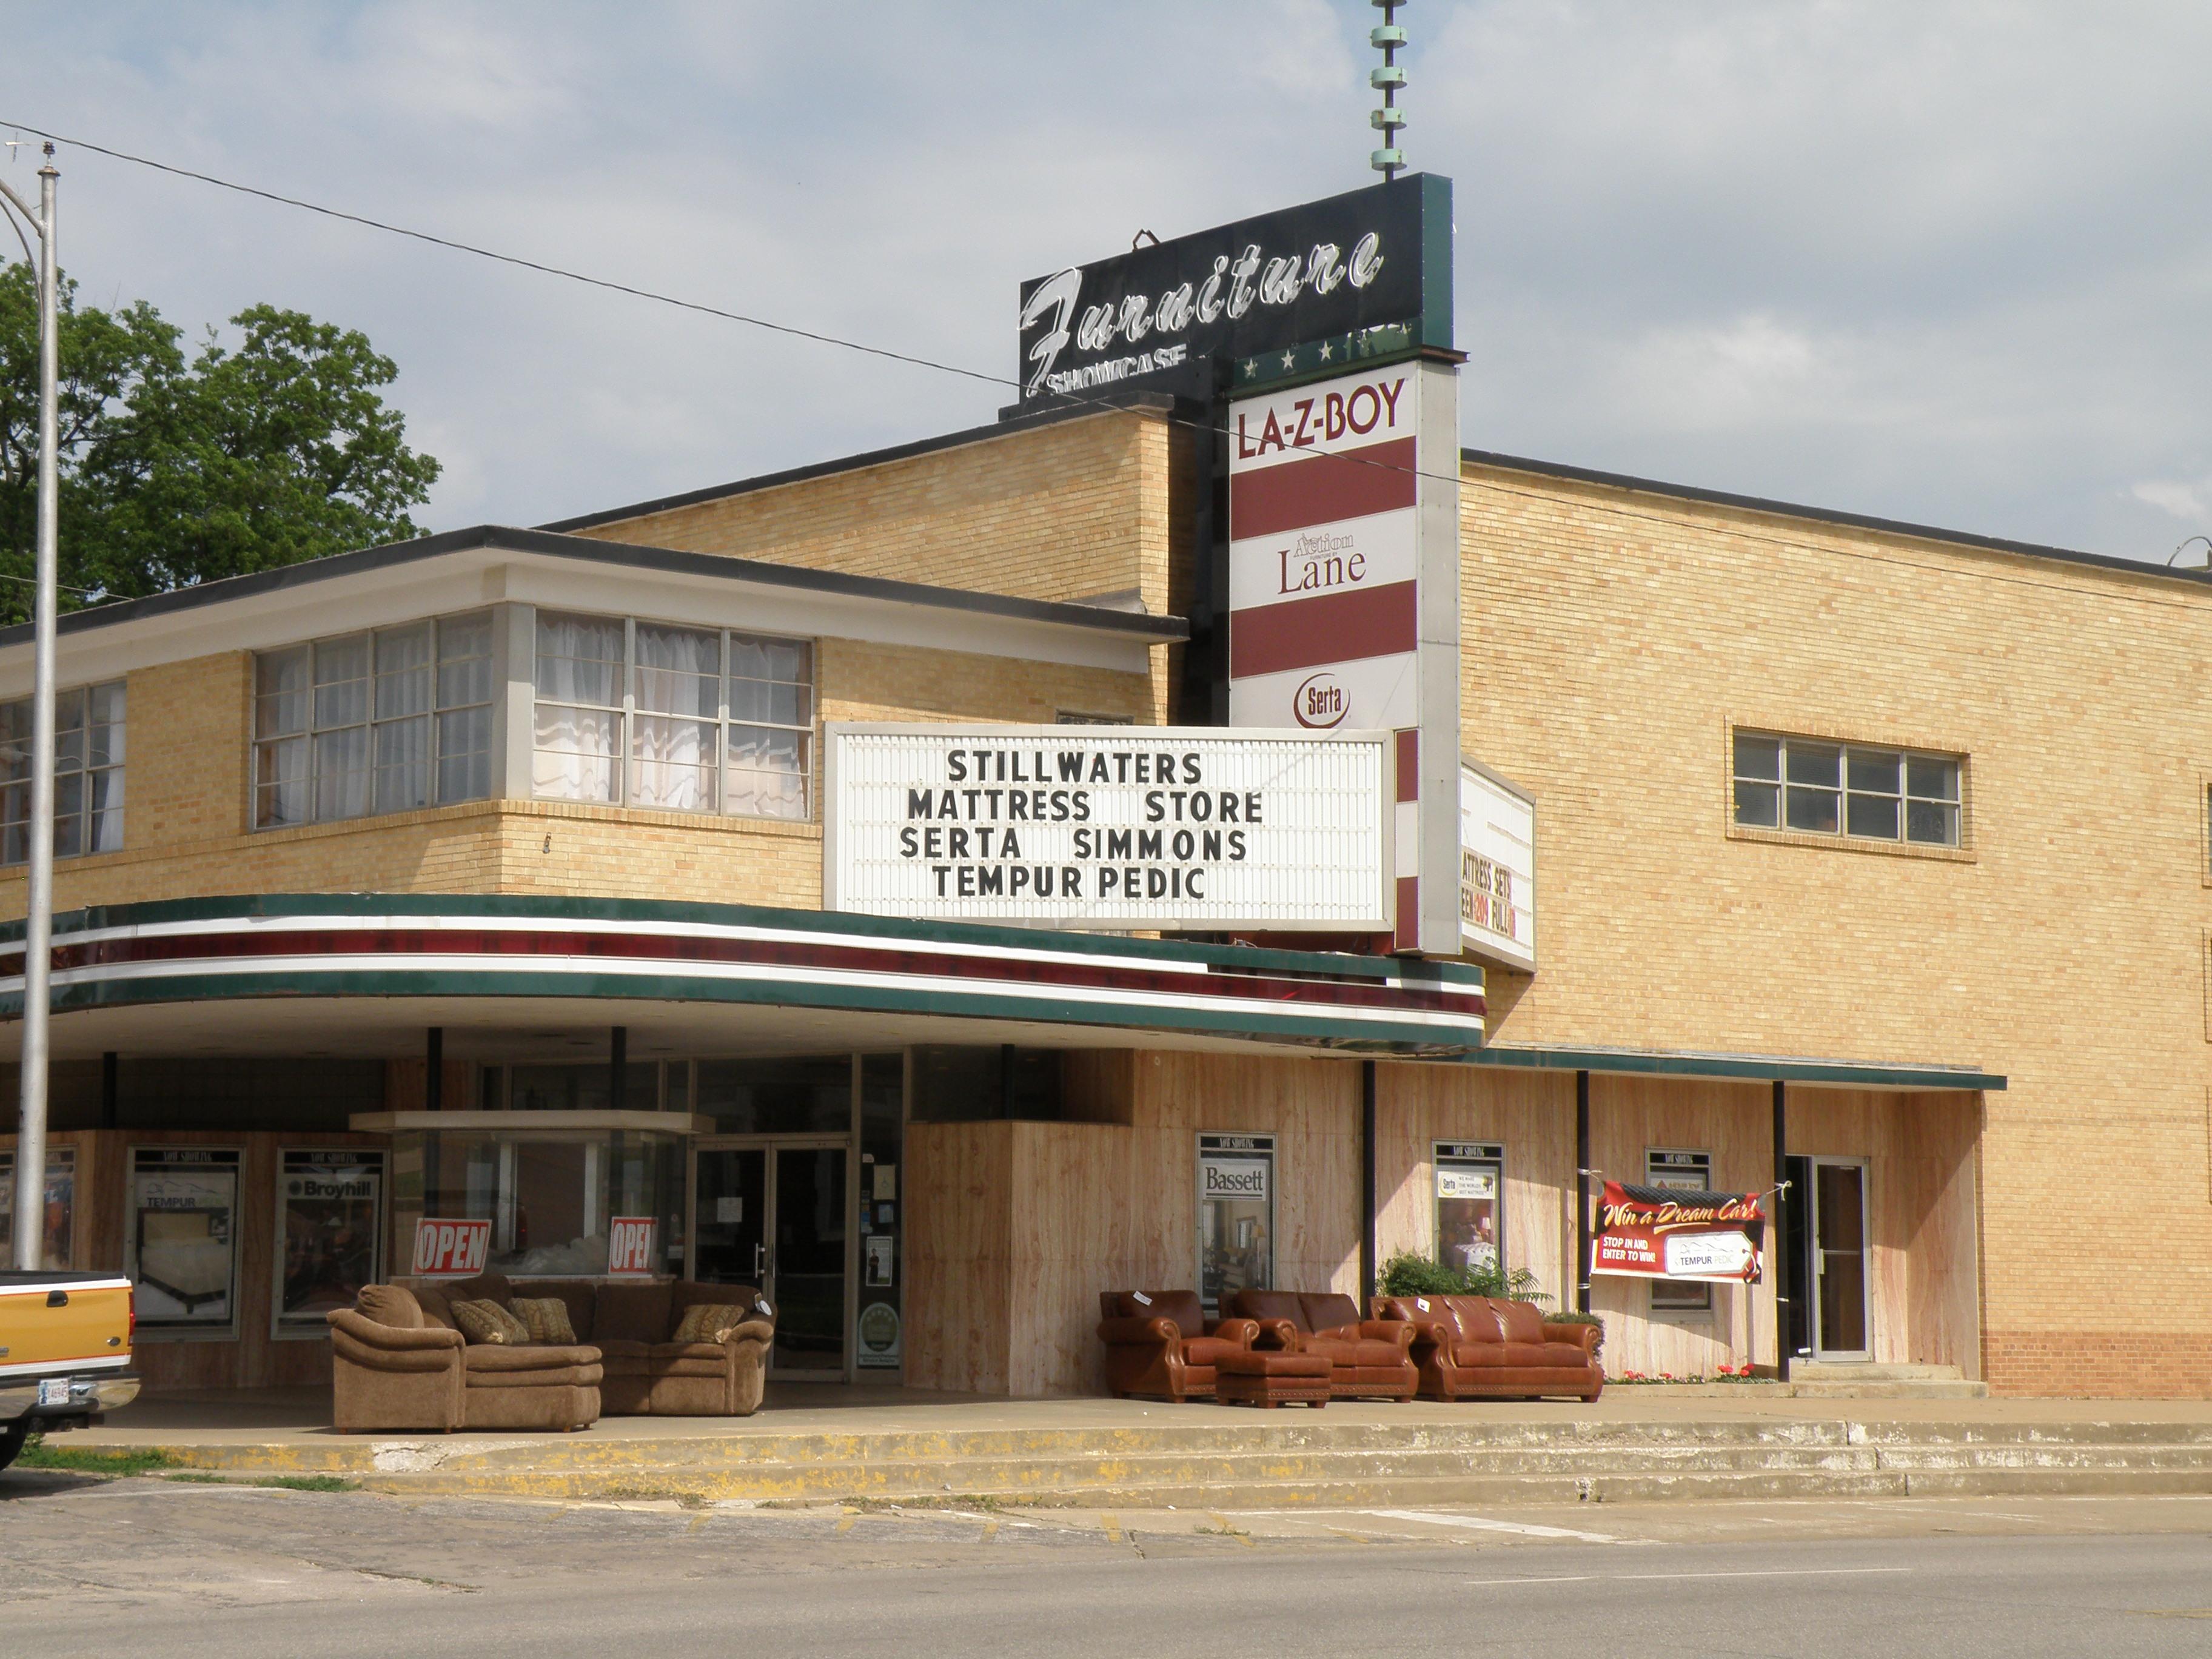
813	1443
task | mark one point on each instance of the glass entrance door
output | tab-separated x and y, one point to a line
772	1215
1839	1260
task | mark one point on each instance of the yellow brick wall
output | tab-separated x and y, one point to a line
1613	638
185	814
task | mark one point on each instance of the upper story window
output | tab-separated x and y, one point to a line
87	773
1826	789
383	722
684	720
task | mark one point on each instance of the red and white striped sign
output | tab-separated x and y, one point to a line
630	1246
1343	594
450	1249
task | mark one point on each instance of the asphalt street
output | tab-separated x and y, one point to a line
183	1569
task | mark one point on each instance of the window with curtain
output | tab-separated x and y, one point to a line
384	721
683	719
87	773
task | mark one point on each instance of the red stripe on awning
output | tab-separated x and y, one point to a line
1329	628
1350	484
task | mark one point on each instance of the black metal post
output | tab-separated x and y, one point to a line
434	1077
1582	1192
1778	1235
619	1069
111	1109
1366	1182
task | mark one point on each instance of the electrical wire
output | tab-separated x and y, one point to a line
883	352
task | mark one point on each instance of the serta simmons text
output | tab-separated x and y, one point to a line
1107	825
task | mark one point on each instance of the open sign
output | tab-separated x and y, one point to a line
630	1240
450	1249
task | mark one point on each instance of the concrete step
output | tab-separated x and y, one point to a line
1866	1371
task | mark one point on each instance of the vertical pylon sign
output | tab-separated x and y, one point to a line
1344	594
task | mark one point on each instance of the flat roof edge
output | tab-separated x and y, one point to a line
1829	516
1741	1068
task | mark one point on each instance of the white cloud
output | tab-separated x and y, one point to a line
2189	501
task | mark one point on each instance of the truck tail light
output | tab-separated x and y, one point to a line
131	1331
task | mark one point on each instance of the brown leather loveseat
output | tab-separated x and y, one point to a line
1368	1358
1161	1344
1484	1347
401	1362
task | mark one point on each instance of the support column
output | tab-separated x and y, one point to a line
1582	1192
1366	1184
433	1078
619	1069
1778	1234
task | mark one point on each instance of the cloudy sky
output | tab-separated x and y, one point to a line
1942	260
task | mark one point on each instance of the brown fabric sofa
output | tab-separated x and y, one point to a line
1480	1347
399	1363
1368	1360
1161	1344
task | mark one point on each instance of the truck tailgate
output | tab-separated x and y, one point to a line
71	1323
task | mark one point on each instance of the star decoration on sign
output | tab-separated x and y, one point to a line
1290	360
1326	353
1251	365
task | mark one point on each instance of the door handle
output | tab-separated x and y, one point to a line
760	1264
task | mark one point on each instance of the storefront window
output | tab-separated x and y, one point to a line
1680	1171
552	1196
1236	1216
60	1230
1470	1177
810	1095
181	1239
878	1343
329	1216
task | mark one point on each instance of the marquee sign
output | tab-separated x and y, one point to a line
1497	868
1112	827
1372	263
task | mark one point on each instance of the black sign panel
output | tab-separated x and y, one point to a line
1156	316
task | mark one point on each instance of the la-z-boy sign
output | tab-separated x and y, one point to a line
1112	826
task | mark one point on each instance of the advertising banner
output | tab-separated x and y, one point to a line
1658	1232
1108	826
1236	1215
59	1230
630	1240
182	1240
1470	1179
451	1248
330	1220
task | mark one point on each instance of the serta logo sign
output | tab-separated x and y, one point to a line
1320	702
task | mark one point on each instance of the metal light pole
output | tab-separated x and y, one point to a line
38	919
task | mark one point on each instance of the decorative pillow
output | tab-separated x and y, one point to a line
546	1319
487	1322
709	1322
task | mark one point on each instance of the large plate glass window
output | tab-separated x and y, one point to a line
386	722
1470	1180
1236	1216
59	1230
330	1234
88	739
1826	788
181	1239
1680	1171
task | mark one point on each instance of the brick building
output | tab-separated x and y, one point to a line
407	862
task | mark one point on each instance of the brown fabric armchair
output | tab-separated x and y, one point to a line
1480	1347
396	1371
1160	1343
1369	1360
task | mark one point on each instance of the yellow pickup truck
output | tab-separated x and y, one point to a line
64	1353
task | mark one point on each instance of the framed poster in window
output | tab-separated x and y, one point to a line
330	1234
1236	1216
60	1228
1680	1171
1470	1182
181	1239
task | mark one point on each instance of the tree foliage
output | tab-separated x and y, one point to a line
178	468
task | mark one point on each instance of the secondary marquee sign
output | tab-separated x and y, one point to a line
1110	827
1497	868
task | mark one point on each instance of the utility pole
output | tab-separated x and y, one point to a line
1389	160
38	915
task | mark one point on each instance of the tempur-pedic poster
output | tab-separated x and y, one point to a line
181	1239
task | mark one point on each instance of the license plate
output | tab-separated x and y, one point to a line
54	1391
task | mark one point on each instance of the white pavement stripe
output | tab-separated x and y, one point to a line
1643	1577
1478	1524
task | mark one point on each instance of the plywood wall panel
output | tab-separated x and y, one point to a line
957	1255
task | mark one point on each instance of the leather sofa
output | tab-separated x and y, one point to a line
1160	1343
399	1362
1369	1360
1481	1347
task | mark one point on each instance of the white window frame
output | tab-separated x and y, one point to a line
1905	798
72	761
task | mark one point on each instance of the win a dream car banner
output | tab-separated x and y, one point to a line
1657	1232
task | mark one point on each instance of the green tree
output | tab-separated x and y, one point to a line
243	457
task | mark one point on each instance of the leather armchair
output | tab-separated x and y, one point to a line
1160	1343
1369	1358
